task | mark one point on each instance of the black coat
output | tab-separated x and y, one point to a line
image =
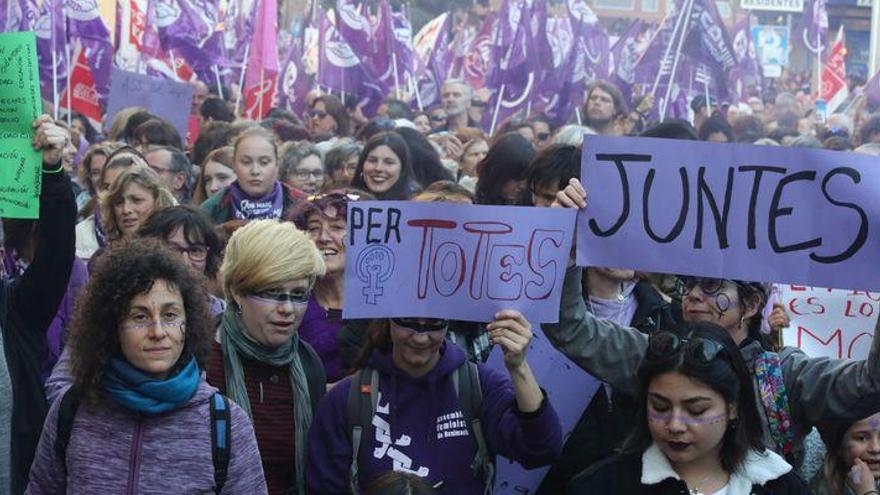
27	307
621	475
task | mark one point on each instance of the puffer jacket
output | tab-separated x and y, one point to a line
115	450
818	389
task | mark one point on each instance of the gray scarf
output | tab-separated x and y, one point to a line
5	421
235	342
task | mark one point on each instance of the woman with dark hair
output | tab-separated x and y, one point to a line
426	164
257	191
716	130
328	118
697	430
384	168
81	124
138	342
400	483
341	161
852	465
156	132
796	392
409	381
502	174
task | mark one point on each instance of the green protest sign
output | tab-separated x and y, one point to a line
20	165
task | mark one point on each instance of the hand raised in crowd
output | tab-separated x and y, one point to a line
50	139
646	104
572	196
778	318
453	148
513	333
860	478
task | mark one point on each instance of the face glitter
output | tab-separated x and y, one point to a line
667	417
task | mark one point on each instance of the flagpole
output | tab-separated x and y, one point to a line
708	102
668	48
396	77
497	109
69	75
819	64
577	112
173	64
665	103
54	81
261	93
247	50
415	89
219	85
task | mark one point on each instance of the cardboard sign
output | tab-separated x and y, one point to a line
759	213
164	98
20	104
463	262
832	323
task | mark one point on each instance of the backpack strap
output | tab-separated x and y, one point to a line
66	413
359	412
470	396
221	437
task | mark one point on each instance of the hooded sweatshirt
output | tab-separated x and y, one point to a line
419	427
115	450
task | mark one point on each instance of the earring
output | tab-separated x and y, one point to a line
734	423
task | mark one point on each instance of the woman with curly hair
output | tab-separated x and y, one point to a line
137	412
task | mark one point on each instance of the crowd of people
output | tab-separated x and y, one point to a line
172	322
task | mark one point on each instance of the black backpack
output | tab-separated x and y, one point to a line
361	407
221	433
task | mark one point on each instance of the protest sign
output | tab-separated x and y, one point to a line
463	262
830	323
760	213
20	102
569	388
164	98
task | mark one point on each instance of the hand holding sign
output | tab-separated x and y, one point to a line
571	196
513	333
49	138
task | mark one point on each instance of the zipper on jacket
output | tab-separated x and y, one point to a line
134	458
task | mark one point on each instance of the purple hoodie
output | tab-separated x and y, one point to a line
114	450
418	427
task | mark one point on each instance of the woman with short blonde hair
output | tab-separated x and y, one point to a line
133	197
259	360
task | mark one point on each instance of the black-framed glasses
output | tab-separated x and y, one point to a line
542	136
305	174
421	325
662	345
709	286
438	118
318	114
276	296
195	252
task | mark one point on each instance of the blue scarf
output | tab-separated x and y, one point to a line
134	390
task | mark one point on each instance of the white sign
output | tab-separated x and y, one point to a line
830	322
775	5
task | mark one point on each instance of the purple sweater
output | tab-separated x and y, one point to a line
114	450
419	428
319	330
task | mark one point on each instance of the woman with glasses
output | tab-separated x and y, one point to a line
301	167
259	361
257	191
697	430
328	118
416	411
138	415
795	392
341	161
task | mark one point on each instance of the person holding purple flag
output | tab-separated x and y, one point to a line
256	193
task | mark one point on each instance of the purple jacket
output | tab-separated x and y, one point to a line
319	330
114	450
55	336
418	427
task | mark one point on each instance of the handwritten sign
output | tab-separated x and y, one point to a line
569	388
830	322
464	262
20	165
738	211
164	98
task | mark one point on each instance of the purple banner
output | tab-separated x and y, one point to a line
761	213
168	99
461	262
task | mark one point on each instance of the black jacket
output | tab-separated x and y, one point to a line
27	307
622	474
607	421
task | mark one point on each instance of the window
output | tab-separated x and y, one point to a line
615	4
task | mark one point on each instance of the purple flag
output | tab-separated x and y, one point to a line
402	47
812	33
432	60
872	91
294	83
340	69
17	15
746	78
239	29
591	49
624	55
86	26
192	29
477	58
51	31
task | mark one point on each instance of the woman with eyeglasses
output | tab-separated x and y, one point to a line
795	392
259	361
417	404
301	167
138	418
852	466
340	162
697	430
257	191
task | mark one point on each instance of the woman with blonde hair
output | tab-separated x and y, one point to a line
89	175
259	360
133	196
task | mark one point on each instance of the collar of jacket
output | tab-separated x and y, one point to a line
757	469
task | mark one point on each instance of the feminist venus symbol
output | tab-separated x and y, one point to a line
375	265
